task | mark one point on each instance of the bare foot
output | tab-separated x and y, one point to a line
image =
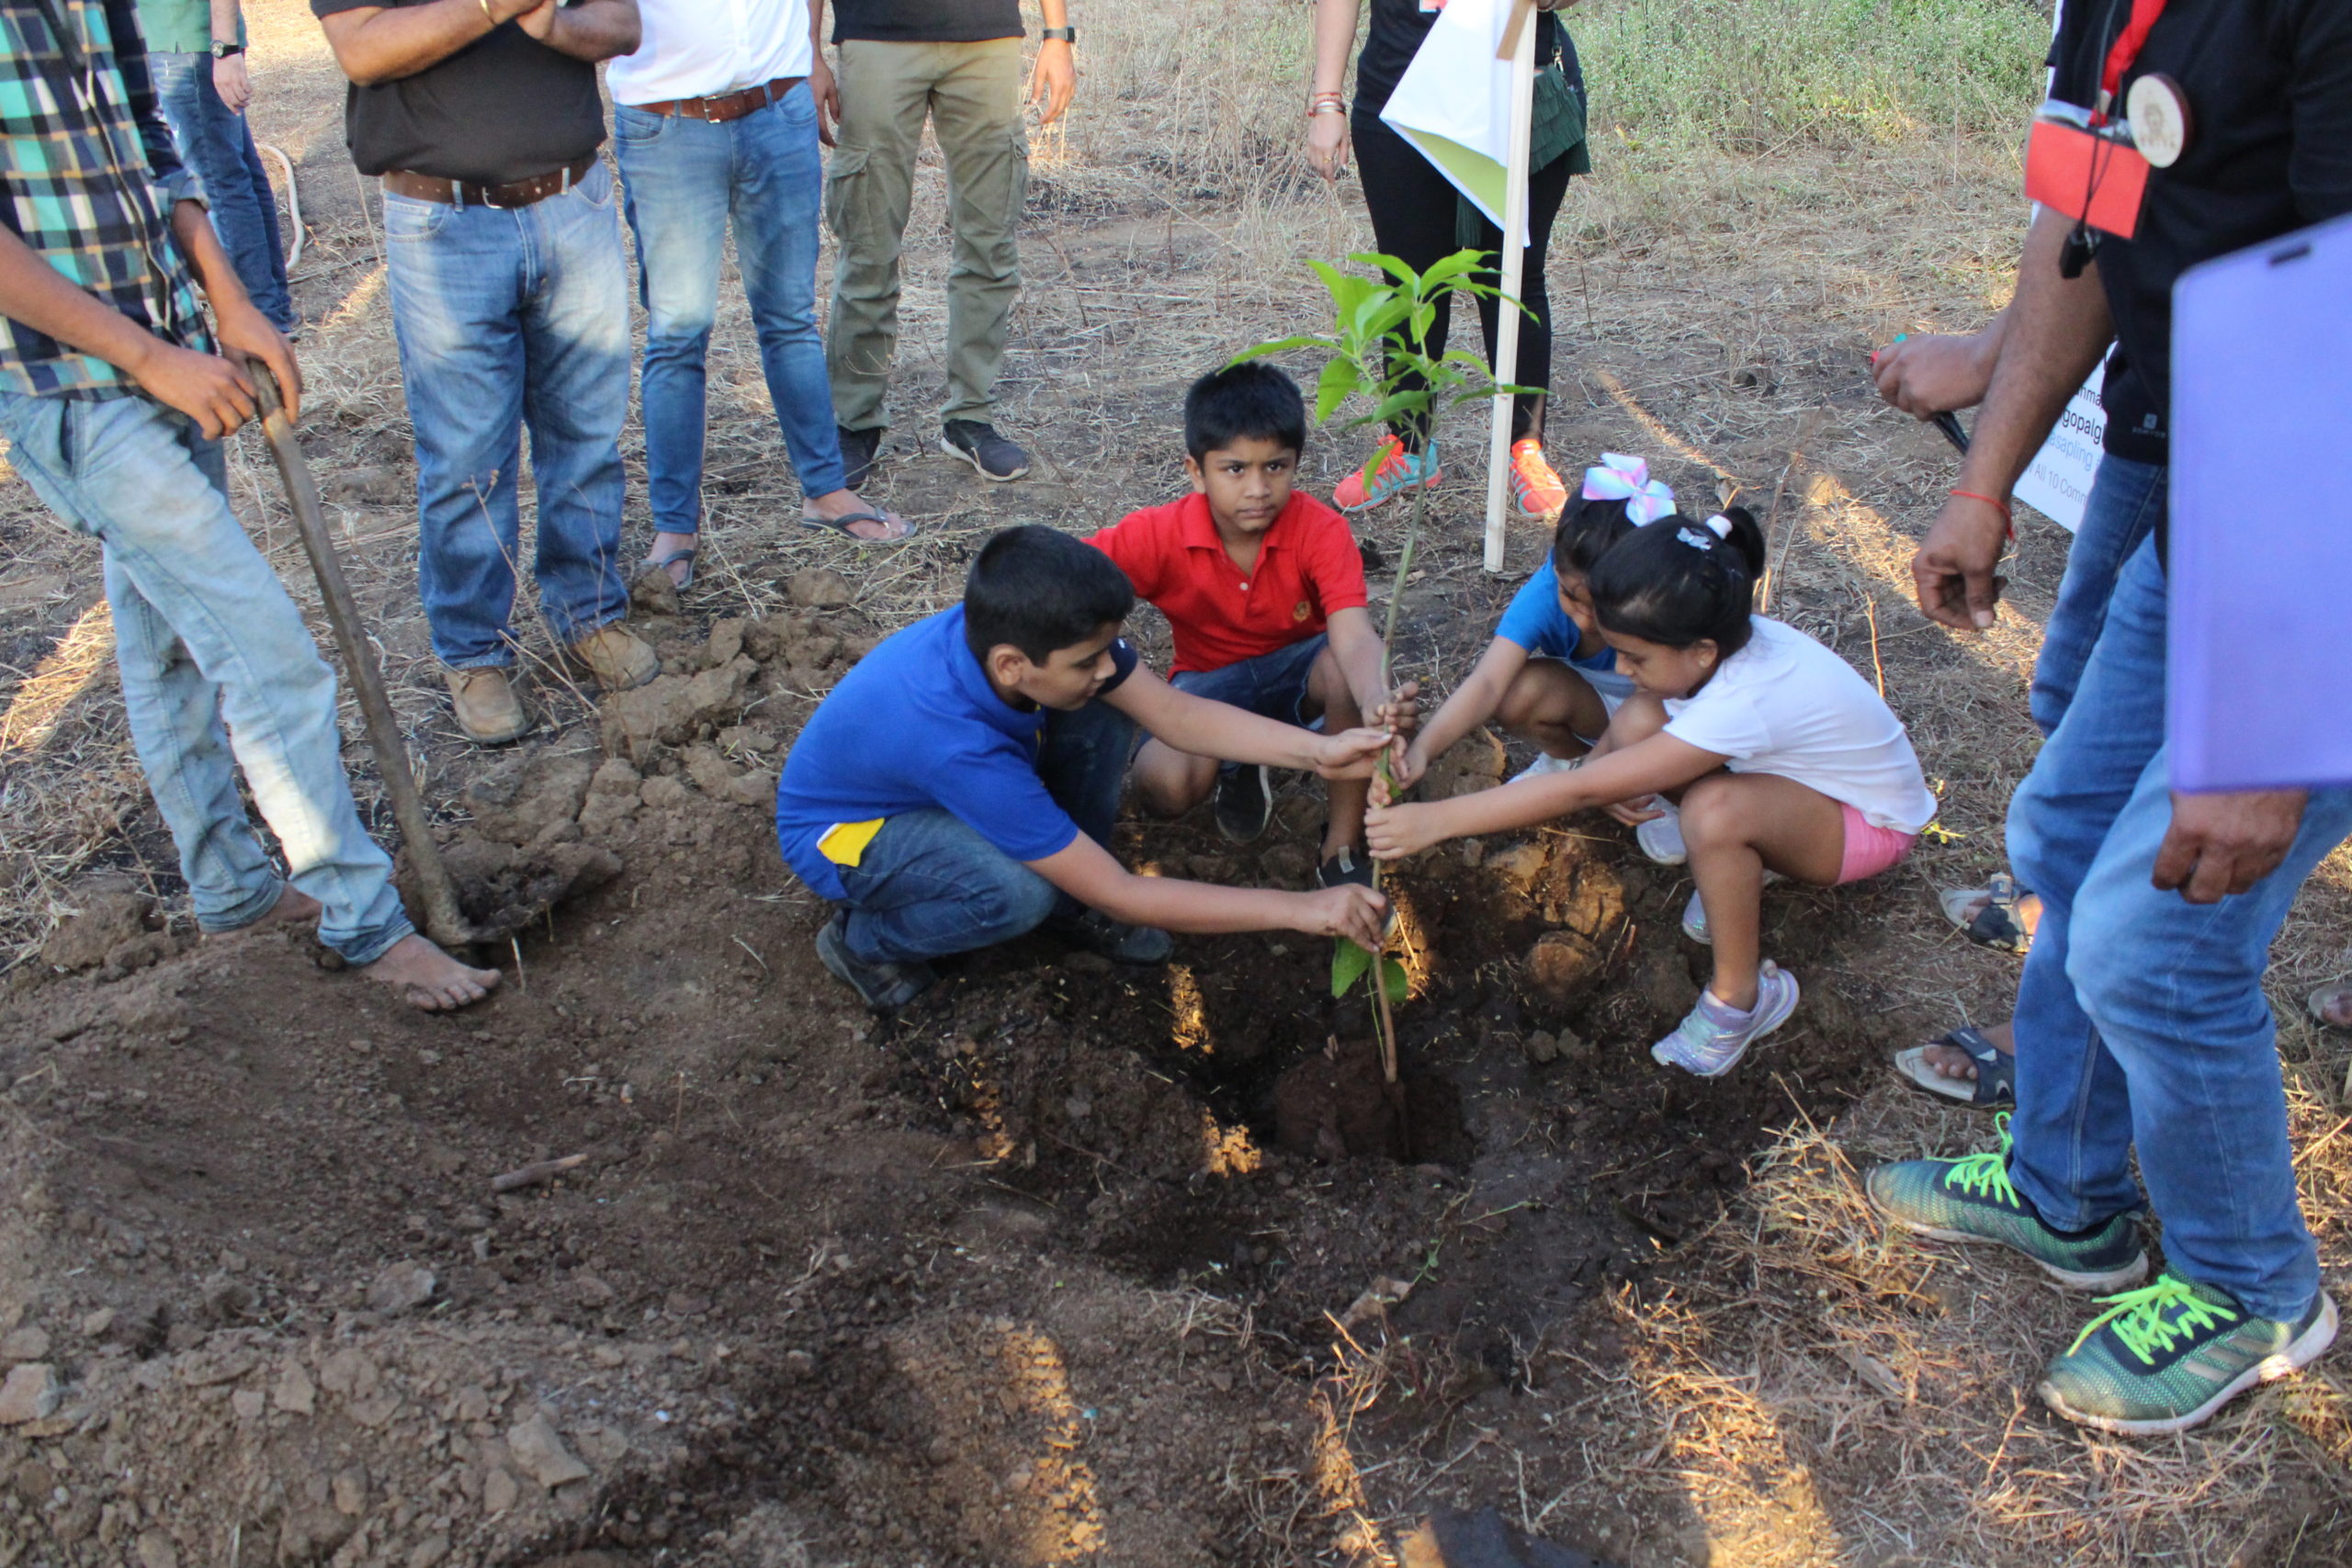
2028	911
1954	1062
836	504
294	908
428	978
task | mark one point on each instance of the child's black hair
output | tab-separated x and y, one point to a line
1587	529
1040	590
1676	583
1251	398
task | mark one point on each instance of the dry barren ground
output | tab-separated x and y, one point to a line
1069	1264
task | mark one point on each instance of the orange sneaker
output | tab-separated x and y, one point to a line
1535	491
1389	472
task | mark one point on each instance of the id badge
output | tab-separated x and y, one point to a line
2090	178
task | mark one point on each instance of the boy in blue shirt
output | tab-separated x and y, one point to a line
960	788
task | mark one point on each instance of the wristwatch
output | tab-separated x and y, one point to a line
1068	35
224	51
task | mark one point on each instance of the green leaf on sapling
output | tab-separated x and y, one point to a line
1456	265
1399	984
1341	376
1282	346
1349	963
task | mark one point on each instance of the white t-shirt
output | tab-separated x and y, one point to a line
1785	704
704	48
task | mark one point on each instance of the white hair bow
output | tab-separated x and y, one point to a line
1621	478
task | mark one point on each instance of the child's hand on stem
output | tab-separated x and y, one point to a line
1350	910
1392	832
1401	714
1411	763
1351	754
1633	813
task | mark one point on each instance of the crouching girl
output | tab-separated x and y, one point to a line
1782	758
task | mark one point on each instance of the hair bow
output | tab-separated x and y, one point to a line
1621	478
1719	525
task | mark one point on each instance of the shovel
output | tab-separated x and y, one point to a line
444	921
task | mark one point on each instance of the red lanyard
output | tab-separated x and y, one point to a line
2126	49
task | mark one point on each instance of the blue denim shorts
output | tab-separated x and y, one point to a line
1273	685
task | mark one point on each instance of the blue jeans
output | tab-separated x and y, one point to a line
218	671
2126	499
2141	1020
684	179
1273	685
218	146
930	885
509	317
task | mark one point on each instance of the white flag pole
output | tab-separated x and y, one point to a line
1519	47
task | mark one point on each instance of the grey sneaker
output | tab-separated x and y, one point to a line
1711	1042
885	988
977	443
1970	1199
1244	801
1115	940
859	448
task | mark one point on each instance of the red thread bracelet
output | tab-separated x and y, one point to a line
2009	520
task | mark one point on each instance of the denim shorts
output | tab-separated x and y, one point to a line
1273	685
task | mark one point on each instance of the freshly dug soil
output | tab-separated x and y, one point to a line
1042	1270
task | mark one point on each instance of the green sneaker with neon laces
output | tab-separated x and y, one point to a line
2165	1358
1970	1199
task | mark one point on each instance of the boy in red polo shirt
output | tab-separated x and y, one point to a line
1263	587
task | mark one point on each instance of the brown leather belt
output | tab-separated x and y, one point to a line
727	105
459	193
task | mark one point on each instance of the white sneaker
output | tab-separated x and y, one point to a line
1547	765
1661	837
1694	913
1711	1039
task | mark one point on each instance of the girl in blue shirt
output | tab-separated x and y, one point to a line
1547	676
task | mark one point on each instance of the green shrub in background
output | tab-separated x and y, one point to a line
1747	76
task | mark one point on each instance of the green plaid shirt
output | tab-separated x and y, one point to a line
88	178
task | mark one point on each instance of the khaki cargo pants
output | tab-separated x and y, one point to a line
971	94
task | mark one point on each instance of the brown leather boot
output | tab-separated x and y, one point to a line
618	658
487	708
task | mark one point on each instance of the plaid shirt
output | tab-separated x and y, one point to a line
67	192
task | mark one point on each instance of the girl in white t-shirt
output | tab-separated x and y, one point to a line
1784	759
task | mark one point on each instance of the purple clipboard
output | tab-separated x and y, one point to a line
2260	648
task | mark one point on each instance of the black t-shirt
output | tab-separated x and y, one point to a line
505	108
1395	36
2269	89
926	21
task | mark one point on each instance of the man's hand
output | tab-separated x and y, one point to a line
537	20
245	333
1351	754
1401	714
828	94
1928	375
1955	564
230	80
1053	82
2222	844
205	387
1350	910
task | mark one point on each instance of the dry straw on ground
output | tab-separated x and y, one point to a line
1793	1386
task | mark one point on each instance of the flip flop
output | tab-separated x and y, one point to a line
2316	1004
841	525
1995	1086
1995	922
666	562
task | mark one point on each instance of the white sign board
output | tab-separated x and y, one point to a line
2059	481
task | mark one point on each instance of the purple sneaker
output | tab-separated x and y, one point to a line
1713	1039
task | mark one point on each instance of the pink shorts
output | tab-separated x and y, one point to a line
1870	850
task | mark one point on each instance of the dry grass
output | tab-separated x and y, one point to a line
1793	1387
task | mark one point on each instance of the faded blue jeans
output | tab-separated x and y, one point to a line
684	179
510	317
2141	1019
218	145
2126	499
929	884
219	672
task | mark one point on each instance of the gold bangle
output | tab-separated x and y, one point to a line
488	15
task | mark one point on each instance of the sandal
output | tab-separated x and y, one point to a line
2316	1004
1994	1087
666	562
841	525
1988	915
